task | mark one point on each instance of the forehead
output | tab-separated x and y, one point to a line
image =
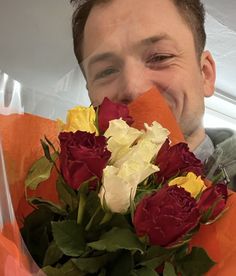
123	22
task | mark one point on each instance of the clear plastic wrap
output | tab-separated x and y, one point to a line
14	257
26	115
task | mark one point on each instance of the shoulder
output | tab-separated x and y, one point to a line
224	141
221	135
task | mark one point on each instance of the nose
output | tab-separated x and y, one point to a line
133	82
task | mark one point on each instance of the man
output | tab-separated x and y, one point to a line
125	47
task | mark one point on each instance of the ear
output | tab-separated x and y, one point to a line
208	73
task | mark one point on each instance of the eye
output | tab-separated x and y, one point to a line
106	73
158	58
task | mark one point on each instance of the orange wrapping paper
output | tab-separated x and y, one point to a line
20	136
13	261
151	106
219	240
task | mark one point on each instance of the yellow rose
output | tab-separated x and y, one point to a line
191	183
80	118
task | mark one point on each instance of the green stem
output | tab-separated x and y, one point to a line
55	166
88	226
217	177
82	202
106	218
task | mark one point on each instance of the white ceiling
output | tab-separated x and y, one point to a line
36	43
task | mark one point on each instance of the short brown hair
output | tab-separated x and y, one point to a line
192	11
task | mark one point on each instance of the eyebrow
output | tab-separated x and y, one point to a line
100	57
144	42
154	39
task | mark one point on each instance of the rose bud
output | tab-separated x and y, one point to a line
176	160
108	111
166	216
83	156
212	201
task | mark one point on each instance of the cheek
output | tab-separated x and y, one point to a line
174	96
185	95
94	96
169	82
97	94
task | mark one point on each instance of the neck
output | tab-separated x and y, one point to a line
195	138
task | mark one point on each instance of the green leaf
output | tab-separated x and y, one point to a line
68	269
92	264
46	150
35	232
156	256
69	237
47	204
39	172
120	221
182	252
144	271
155	262
66	194
157	251
102	272
39	217
52	271
53	254
122	265
118	238
169	270
196	263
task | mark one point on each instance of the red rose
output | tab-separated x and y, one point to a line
213	199
166	216
176	160
83	155
110	111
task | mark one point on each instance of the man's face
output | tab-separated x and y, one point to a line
132	45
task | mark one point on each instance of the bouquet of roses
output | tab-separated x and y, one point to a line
129	200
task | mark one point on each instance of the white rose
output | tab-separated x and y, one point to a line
144	150
120	184
121	137
155	133
147	145
132	153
